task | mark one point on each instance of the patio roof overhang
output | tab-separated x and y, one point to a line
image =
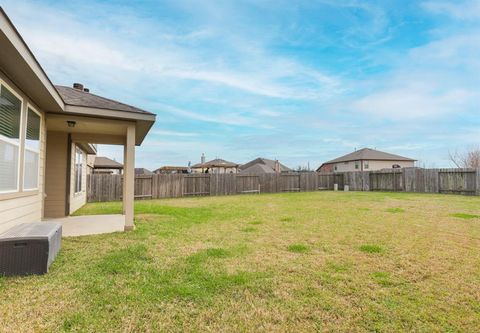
143	122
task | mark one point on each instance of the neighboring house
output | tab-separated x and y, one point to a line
105	165
143	172
215	166
366	159
171	170
263	165
46	132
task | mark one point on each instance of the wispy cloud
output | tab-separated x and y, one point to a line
461	9
302	82
173	133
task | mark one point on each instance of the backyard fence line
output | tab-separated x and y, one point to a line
101	187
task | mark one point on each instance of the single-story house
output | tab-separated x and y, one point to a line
105	165
143	172
366	159
46	132
263	165
215	166
171	170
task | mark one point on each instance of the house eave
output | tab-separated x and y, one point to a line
143	121
19	64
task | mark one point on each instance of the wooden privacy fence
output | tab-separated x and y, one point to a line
459	181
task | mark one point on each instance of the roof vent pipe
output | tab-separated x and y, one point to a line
78	86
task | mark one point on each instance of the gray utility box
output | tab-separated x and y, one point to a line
29	248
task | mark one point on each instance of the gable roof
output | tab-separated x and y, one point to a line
258	168
265	161
368	154
76	97
102	162
143	171
171	168
218	162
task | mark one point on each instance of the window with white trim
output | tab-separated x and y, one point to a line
78	170
10	119
32	150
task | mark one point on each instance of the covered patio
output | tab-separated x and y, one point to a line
90	224
90	120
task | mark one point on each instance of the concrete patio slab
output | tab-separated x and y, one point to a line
90	224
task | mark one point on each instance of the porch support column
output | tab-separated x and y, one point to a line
129	177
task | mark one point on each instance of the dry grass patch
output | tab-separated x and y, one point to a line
225	264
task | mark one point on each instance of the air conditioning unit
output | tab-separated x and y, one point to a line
29	248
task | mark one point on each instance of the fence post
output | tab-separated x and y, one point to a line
477	181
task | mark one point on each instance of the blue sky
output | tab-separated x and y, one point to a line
301	81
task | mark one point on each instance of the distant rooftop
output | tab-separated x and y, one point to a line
102	162
218	162
270	164
369	154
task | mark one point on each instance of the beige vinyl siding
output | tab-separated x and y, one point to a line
25	206
378	165
77	200
56	166
372	165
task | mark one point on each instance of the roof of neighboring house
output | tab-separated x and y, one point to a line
265	161
258	169
218	162
72	96
368	154
170	168
102	162
143	171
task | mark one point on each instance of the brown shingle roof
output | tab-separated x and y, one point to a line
369	154
257	169
143	171
267	162
76	97
106	163
218	162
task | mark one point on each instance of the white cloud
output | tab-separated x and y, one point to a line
226	119
409	101
463	10
172	133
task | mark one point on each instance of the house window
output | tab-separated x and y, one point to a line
365	164
335	168
357	164
78	170
10	115
32	151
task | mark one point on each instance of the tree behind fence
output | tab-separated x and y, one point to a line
458	181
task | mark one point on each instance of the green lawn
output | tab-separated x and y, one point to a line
326	261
